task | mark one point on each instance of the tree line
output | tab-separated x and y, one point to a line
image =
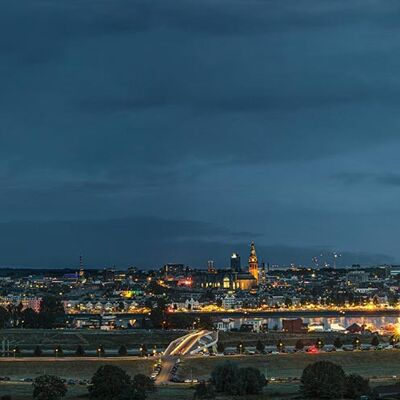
51	315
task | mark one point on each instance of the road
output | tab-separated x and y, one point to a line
167	363
179	347
188	343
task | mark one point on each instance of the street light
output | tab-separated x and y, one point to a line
56	353
98	352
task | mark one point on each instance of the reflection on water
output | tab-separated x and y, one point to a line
383	323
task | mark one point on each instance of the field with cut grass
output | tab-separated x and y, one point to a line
27	339
76	368
370	364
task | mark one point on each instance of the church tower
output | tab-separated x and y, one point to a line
253	262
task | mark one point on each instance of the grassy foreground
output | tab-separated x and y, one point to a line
370	364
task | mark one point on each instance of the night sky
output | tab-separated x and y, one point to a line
144	132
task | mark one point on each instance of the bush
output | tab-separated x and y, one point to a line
143	350
299	345
375	341
220	347
260	346
204	391
356	342
80	351
356	386
101	351
37	352
338	343
58	351
48	387
323	380
123	350
143	382
240	348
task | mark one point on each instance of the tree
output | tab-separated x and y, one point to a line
109	382
356	342
17	351
123	351
224	378
48	387
58	351
229	379
252	380
299	345
51	310
240	348
37	352
157	314
288	302
356	386
260	346
101	351
220	347
319	344
375	341
204	391
323	380
80	351
338	343
4	317
30	319
143	350
143	382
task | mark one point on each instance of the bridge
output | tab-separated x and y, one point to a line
190	344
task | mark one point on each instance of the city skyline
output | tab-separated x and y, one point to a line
188	130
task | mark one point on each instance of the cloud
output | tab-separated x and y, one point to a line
142	241
384	179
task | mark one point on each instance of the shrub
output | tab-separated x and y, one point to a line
299	345
260	346
375	341
356	386
323	380
37	352
80	351
220	347
48	387
338	343
204	391
123	350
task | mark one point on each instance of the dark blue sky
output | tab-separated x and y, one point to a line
142	132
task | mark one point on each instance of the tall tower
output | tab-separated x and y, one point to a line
253	262
235	263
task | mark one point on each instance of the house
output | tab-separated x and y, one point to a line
294	326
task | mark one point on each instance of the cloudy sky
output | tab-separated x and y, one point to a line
143	132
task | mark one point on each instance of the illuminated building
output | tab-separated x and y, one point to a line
253	262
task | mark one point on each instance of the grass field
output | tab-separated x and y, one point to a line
27	339
76	368
367	363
